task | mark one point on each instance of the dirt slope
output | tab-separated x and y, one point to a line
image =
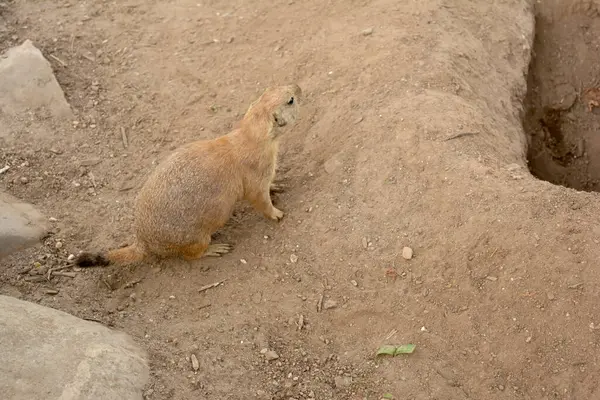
501	295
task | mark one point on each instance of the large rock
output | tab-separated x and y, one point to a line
28	83
47	354
21	225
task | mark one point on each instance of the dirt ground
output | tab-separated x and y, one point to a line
410	135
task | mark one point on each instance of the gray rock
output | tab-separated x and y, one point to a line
28	83
48	354
21	225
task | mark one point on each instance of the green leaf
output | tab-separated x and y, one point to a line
388	396
391	350
387	350
405	349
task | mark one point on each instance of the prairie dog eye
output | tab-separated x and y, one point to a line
291	101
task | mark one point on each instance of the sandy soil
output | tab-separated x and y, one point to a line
411	135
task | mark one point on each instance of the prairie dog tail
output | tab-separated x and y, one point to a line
126	255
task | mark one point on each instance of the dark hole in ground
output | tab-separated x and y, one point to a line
561	119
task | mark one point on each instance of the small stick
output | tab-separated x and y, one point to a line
67	274
204	306
52	270
462	134
300	322
72	43
212	285
132	283
320	303
93	320
93	179
107	285
64	64
4	169
124	137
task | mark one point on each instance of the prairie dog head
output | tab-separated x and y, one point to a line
278	105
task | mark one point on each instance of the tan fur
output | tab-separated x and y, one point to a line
192	193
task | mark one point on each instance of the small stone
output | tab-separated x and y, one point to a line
550	296
329	304
71	257
52	292
528	340
501	387
58	245
24	180
491	278
358	120
354	283
264	351
367	32
271	355
365	243
342	381
243	261
294	258
195	363
52	219
407	253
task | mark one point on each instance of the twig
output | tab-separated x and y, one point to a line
72	43
67	274
64	64
212	285
462	134
34	278
300	322
52	270
132	283
94	320
107	284
204	306
92	178
4	169
320	303
124	137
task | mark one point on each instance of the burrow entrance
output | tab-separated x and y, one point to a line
562	106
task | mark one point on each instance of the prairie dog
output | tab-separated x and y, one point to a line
192	193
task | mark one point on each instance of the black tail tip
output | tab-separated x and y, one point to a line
91	260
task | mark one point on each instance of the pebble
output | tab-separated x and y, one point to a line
71	257
342	381
58	245
52	291
52	219
407	253
294	258
24	180
195	363
270	355
550	296
491	278
365	243
367	32
243	261
329	304
353	282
